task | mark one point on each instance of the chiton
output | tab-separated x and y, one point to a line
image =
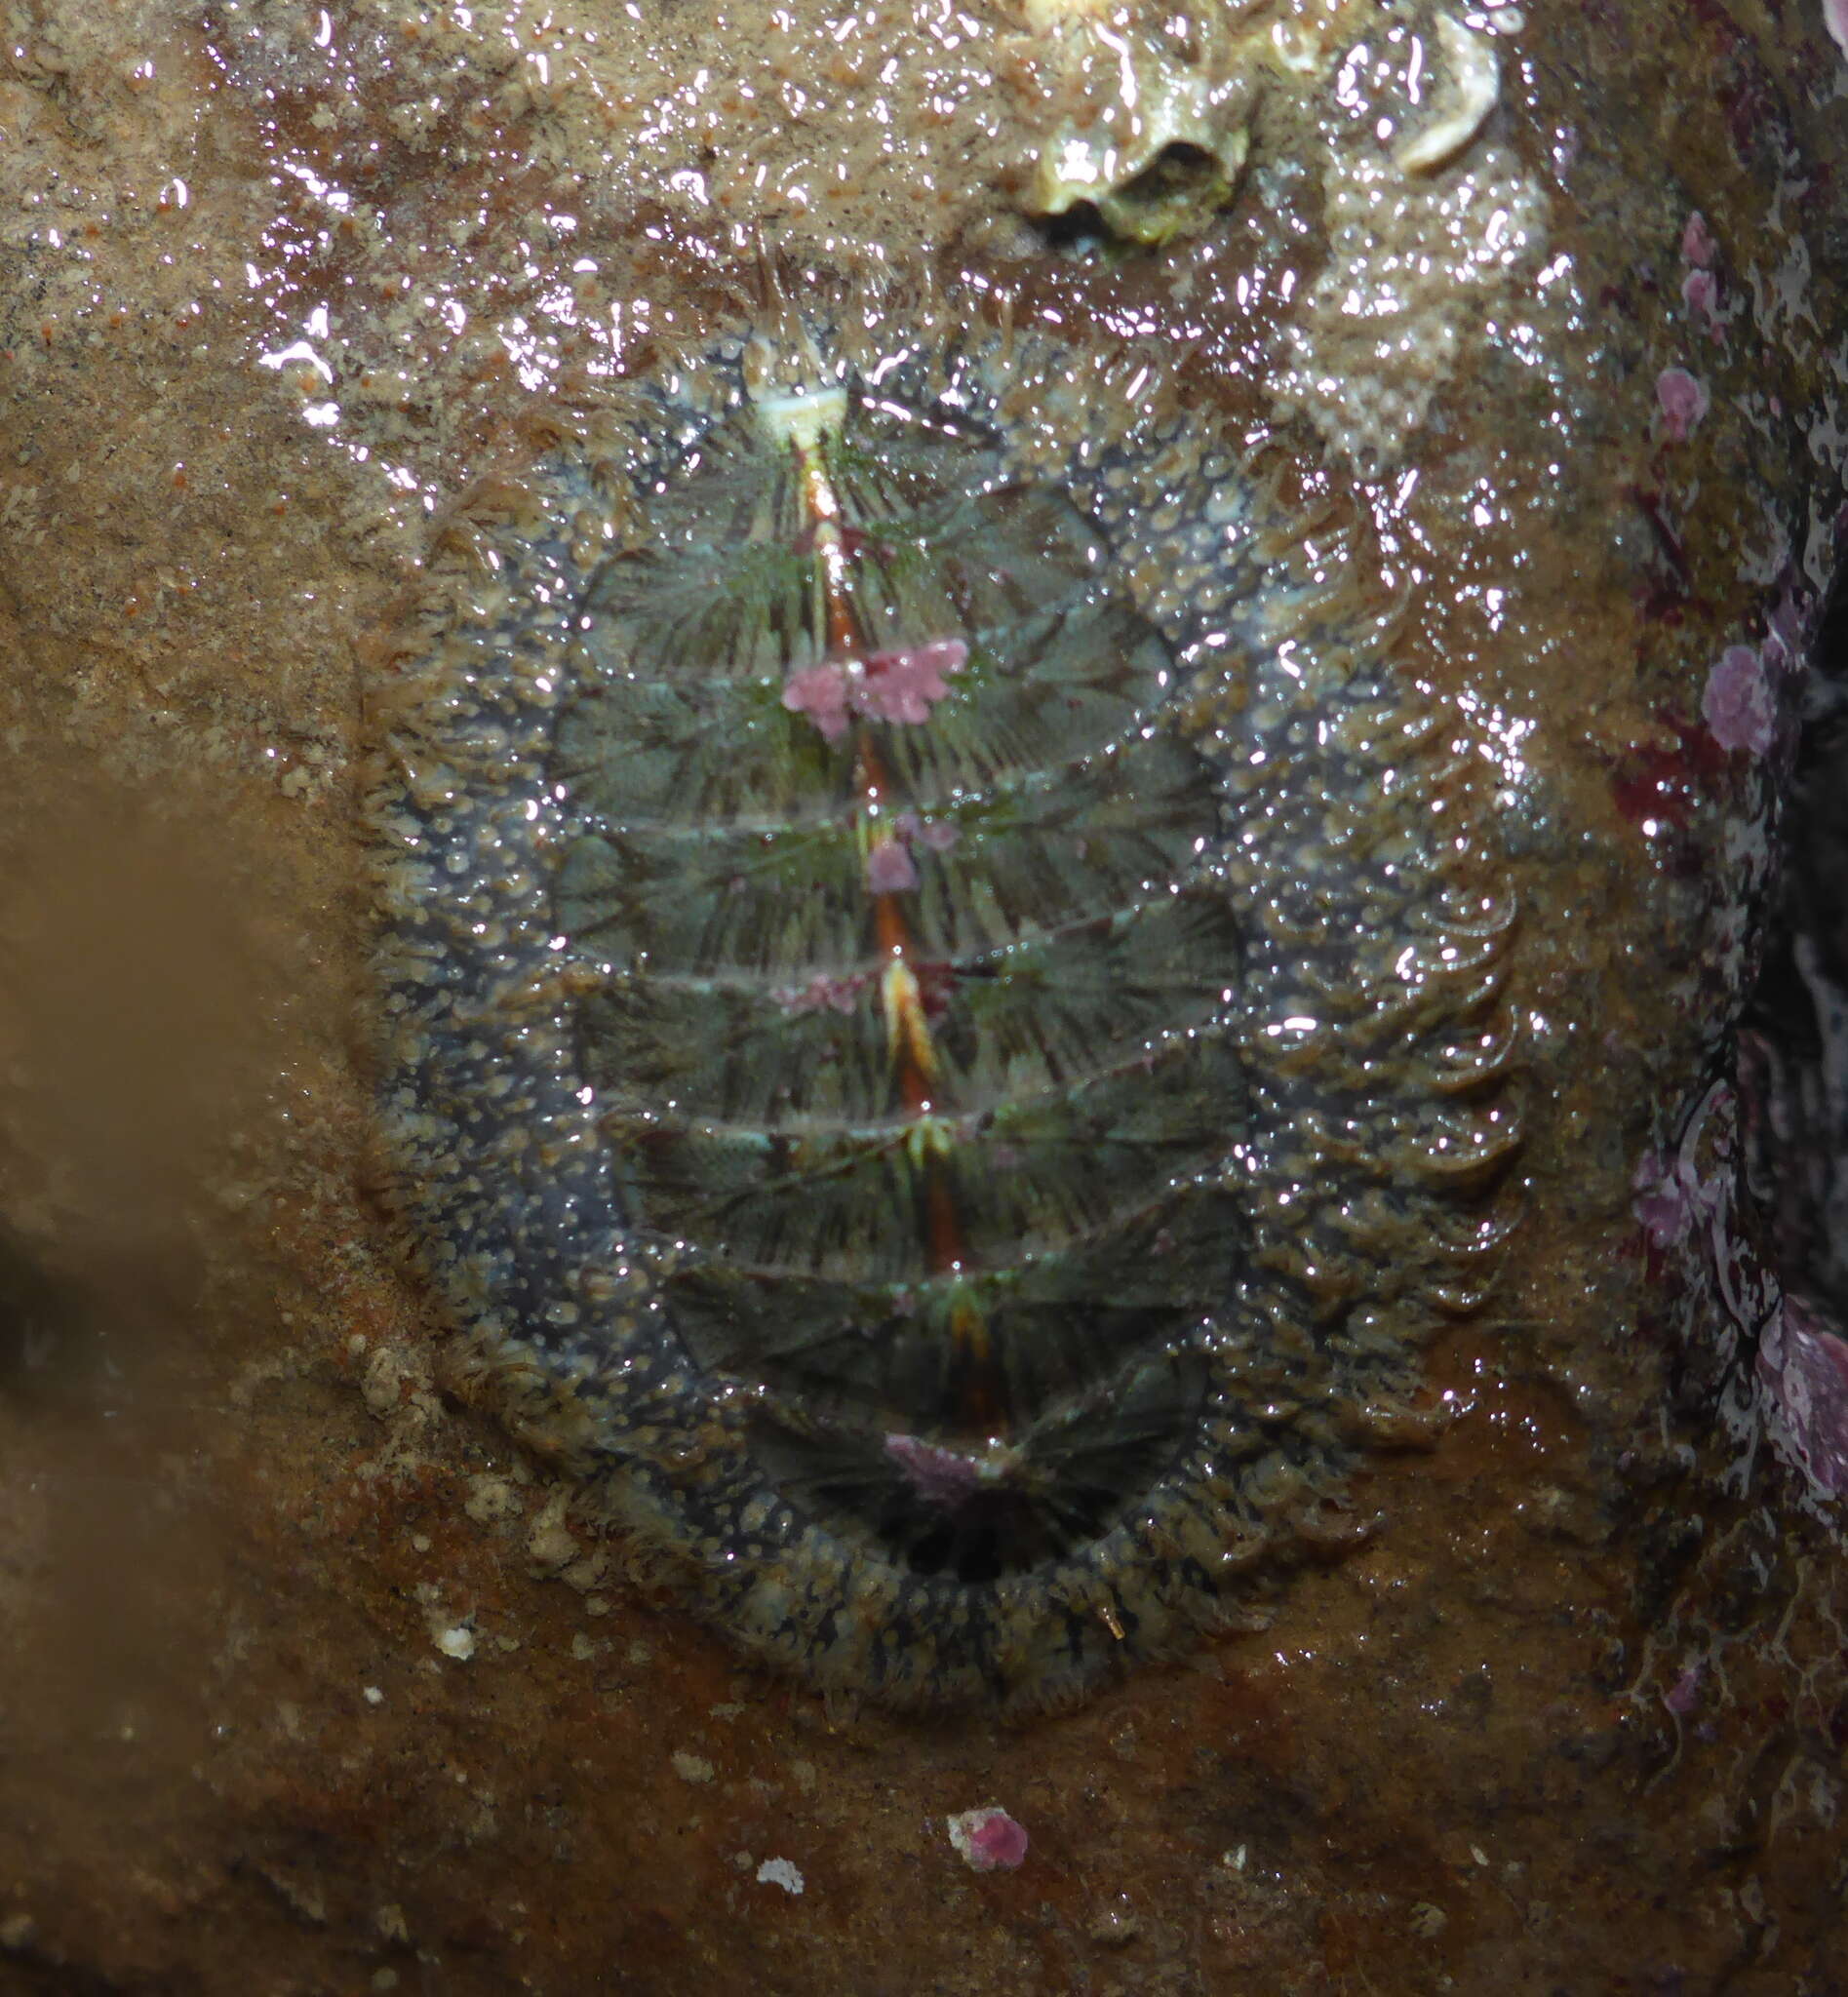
929	1045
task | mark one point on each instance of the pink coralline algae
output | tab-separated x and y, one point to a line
823	994
1737	705
1684	1695
821	693
943	1478
905	685
1805	1367
1700	293
1671	1199
1682	398
988	1839
1700	288
889	687
1697	240
935	835
889	869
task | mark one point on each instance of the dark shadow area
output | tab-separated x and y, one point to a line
1794	1036
1176	194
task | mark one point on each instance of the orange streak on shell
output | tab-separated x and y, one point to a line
908	1035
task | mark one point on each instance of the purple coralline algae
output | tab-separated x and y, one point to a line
989	1840
1739	703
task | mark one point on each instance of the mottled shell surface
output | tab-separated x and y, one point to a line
863	1017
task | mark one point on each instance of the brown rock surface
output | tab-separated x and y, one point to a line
308	1682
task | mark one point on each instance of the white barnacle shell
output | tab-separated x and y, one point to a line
1150	115
1474	89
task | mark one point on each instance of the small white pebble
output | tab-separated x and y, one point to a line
373	1696
457	1642
779	1872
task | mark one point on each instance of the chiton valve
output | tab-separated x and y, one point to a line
817	1048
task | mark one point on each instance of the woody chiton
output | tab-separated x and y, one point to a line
930	1046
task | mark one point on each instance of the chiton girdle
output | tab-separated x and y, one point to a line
930	1077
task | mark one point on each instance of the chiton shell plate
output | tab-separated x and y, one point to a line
928	1048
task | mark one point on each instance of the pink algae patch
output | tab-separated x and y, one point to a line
888	687
1669	1199
1738	704
889	869
988	1839
1697	240
1700	293
1682	400
1684	1695
935	835
821	693
1805	1365
823	994
890	866
943	1478
905	685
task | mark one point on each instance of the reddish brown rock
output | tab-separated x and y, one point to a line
308	1681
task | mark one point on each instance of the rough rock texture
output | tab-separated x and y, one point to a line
310	1682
